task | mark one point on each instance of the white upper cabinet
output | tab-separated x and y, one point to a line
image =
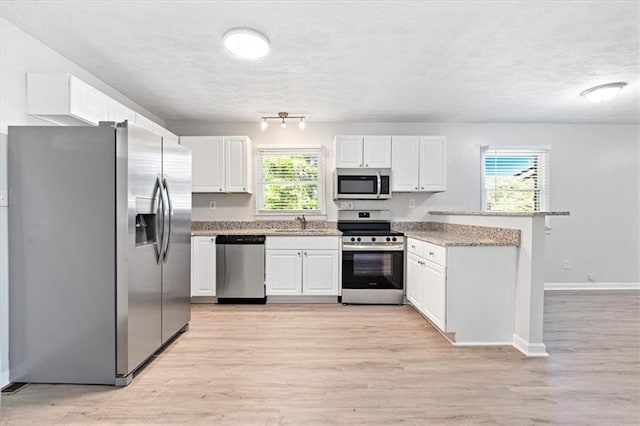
65	100
166	135
119	113
220	163
377	152
349	152
433	163
363	152
419	163
207	157
144	122
405	164
238	163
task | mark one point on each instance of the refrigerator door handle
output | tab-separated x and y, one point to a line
160	212
168	222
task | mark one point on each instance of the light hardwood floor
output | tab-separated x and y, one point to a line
334	364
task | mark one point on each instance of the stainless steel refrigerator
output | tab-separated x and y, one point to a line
99	250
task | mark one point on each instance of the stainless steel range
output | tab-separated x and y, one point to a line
372	258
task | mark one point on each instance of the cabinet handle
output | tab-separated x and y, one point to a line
366	165
422	187
298	254
431	253
305	253
220	189
415	187
412	246
360	164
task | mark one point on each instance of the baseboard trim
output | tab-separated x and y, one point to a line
592	286
4	379
302	299
463	344
529	349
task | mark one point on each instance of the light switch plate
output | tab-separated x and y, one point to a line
412	203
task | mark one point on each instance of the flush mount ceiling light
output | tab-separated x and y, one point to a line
246	43
603	92
283	116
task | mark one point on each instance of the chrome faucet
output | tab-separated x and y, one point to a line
303	222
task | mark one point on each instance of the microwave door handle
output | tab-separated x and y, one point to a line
379	184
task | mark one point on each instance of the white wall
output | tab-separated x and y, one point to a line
20	53
594	175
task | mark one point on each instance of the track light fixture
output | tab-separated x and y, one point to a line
283	116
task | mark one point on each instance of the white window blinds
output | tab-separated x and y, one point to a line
515	179
290	180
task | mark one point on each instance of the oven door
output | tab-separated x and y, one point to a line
372	270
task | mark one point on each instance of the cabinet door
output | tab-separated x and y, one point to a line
434	306
433	163
377	152
320	272
87	103
207	156
349	152
144	122
118	112
414	271
203	266
283	272
237	164
405	162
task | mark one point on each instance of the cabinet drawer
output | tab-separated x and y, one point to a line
415	247
434	253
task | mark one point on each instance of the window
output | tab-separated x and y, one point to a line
515	179
290	180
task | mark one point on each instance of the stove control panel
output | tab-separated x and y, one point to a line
381	242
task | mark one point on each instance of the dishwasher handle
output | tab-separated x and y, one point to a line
240	239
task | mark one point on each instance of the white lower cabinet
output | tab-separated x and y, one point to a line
203	266
302	266
467	292
283	270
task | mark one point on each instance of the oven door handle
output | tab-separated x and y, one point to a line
379	184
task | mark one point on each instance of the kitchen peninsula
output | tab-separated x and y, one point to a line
529	292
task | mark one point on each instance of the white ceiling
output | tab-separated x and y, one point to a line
477	61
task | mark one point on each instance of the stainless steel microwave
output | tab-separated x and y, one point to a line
362	184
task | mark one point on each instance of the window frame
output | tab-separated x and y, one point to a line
545	190
291	149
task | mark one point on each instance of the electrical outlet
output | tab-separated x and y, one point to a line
567	264
346	205
212	205
591	276
412	203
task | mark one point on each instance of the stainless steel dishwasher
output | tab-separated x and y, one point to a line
240	269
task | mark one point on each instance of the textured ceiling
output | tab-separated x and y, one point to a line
477	61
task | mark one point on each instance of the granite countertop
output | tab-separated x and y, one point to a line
456	239
315	232
486	213
441	234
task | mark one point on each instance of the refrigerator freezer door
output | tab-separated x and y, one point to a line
139	290
176	272
61	267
